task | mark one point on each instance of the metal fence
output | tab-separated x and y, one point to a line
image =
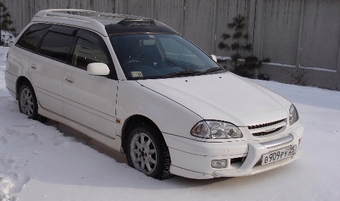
301	37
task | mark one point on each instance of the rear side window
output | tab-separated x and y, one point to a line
32	36
56	46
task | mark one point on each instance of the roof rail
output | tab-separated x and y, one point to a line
88	18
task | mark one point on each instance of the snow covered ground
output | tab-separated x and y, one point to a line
38	162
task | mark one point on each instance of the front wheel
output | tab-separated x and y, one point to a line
27	101
148	152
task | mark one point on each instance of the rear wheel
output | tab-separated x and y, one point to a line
27	101
147	151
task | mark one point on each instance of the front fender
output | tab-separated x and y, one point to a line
169	116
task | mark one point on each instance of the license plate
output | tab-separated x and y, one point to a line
278	155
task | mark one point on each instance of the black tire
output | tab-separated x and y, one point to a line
27	101
148	152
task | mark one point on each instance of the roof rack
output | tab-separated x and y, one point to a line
88	18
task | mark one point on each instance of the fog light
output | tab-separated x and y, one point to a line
219	163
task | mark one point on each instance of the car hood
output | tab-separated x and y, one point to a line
225	97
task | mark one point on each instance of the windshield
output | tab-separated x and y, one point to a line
161	56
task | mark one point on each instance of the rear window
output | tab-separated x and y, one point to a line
32	36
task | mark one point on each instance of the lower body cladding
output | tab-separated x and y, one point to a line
204	160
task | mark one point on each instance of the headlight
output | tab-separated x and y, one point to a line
216	130
293	115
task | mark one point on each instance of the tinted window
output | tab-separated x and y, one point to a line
56	45
86	52
32	36
89	48
161	56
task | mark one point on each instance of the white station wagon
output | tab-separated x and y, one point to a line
138	86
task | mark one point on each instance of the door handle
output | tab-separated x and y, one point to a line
70	80
33	66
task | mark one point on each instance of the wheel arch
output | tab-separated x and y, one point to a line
20	81
130	122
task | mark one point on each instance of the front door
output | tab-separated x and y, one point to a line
90	100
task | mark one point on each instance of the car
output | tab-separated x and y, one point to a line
139	87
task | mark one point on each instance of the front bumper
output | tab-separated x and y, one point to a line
192	159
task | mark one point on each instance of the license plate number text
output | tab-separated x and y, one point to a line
278	155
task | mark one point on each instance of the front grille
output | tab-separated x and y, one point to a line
267	128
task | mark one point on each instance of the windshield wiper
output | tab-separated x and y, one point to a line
212	70
182	73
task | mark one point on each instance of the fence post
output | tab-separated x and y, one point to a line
298	56
258	10
338	67
213	34
0	27
256	26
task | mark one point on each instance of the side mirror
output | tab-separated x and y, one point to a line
98	69
214	58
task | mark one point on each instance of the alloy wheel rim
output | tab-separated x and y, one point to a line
27	103
143	153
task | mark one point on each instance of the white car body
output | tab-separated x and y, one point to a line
101	107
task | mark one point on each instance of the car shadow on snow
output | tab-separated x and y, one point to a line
84	139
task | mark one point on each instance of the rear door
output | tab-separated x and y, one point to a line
48	66
90	100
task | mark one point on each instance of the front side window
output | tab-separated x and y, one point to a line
91	48
86	52
32	36
161	56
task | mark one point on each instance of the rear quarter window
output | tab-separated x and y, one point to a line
31	38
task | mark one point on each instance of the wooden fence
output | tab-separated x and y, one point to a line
301	37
